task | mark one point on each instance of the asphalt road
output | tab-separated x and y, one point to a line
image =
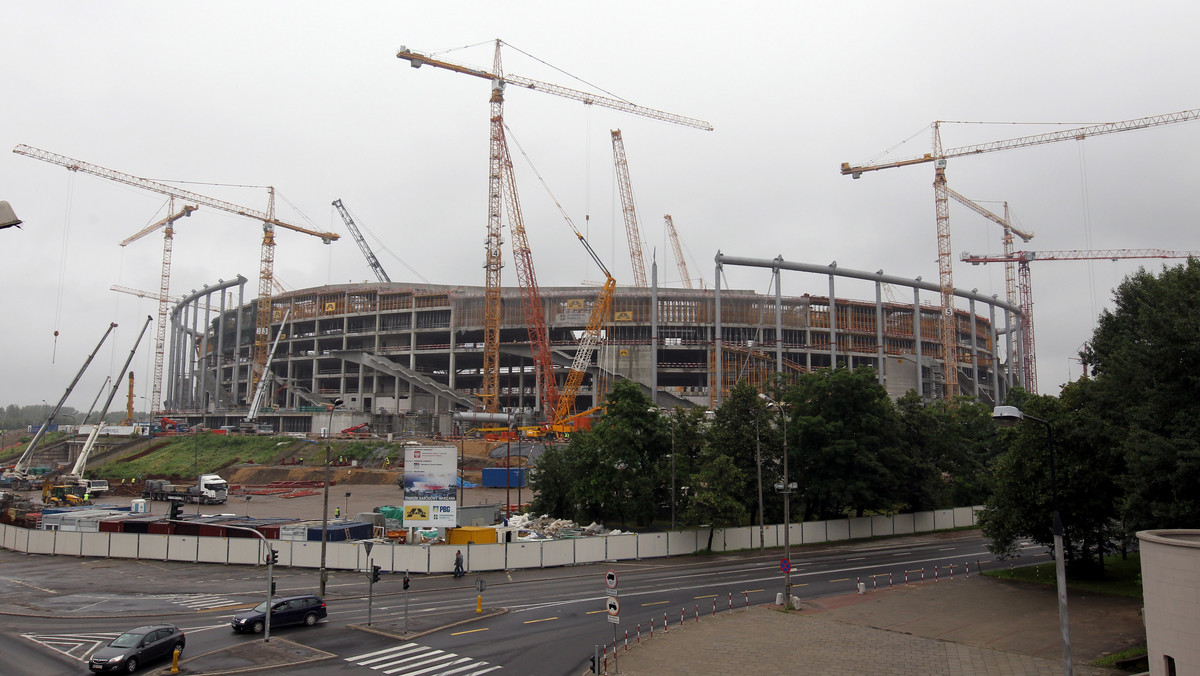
57	609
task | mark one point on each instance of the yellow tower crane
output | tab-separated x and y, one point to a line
492	260
941	196
262	324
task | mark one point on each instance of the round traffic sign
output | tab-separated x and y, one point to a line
613	605
785	565
610	579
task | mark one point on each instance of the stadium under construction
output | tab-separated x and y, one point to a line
409	358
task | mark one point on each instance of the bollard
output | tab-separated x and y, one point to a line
967	567
479	604
666	627
682	613
697	612
626	640
935	573
652	627
906	578
604	658
874	583
714	607
639	633
952	572
730	600
922	575
747	595
175	661
889	579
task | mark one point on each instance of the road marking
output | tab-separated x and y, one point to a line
844	579
946	549
593	612
655	603
858	558
469	631
78	646
706	596
544	619
752	591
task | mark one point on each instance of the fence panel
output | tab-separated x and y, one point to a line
651	545
529	554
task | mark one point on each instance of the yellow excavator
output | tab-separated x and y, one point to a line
60	495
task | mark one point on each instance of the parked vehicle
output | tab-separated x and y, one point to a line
209	489
138	646
288	610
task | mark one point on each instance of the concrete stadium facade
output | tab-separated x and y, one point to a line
404	352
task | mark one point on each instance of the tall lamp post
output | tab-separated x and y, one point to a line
1007	416
762	538
785	488
671	429
325	510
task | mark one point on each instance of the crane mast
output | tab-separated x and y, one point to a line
939	156
679	261
164	290
362	243
629	210
262	327
496	191
1023	258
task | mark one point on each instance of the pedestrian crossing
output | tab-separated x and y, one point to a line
412	659
78	646
197	602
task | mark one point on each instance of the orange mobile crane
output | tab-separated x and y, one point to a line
496	191
1023	258
941	196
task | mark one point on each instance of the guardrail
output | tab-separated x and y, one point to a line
477	557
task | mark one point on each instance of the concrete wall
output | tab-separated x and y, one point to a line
1171	592
440	559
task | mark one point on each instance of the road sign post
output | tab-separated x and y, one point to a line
612	603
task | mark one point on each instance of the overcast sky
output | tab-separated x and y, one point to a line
310	98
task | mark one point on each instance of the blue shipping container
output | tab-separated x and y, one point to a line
494	477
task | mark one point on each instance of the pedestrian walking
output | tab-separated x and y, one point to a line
458	565
337	512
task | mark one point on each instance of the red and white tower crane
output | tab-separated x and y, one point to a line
1022	260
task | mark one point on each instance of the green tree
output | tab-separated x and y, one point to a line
844	441
1144	358
715	485
741	428
949	446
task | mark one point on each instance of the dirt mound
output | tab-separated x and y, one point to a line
258	475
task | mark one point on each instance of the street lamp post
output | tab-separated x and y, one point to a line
762	538
785	488
325	508
671	430
1011	415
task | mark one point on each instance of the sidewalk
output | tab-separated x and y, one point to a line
966	627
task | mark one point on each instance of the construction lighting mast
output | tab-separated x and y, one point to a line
262	325
679	261
939	156
164	290
629	209
1023	258
362	243
492	261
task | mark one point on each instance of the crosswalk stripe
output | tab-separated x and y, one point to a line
413	659
379	652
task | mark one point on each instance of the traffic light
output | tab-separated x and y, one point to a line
374	574
406	582
173	510
273	557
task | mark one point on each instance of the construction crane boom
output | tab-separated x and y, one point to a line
679	261
629	209
1023	258
497	151
417	60
164	289
587	343
1076	134
262	325
941	196
380	273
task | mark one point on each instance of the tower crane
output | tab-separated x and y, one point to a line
941	196
362	243
629	209
262	324
1023	258
679	261
164	290
492	260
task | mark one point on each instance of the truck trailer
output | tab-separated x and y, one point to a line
209	489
